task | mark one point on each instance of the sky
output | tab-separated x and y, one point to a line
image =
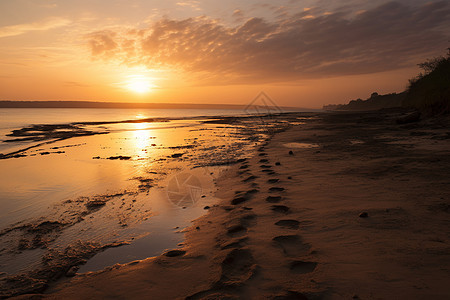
302	53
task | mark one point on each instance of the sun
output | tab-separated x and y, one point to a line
139	84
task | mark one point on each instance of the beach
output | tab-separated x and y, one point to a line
336	206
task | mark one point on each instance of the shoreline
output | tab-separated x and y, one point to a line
355	218
53	241
359	209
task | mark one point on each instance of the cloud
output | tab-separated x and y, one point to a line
305	45
47	24
195	5
238	15
102	43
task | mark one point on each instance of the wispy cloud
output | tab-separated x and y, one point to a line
47	24
195	5
309	44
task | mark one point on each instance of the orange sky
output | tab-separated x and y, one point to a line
302	53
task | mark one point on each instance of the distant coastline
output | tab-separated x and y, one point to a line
122	105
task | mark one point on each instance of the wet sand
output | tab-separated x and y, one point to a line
344	206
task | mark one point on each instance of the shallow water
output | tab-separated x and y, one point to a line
140	183
71	202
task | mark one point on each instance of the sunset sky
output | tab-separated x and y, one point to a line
302	53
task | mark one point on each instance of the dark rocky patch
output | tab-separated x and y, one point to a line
120	157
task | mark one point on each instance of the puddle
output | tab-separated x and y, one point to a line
180	201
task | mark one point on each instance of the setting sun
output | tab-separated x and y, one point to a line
139	84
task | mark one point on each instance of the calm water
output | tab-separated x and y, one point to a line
163	184
16	118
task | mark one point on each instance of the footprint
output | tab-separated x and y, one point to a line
276	189
236	230
235	243
280	208
291	224
174	253
248	219
292	245
239	200
252	191
302	267
252	177
242	197
273	199
237	267
273	180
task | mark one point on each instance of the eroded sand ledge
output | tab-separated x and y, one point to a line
289	225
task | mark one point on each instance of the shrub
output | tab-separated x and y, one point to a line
429	92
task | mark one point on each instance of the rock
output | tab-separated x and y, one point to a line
277	163
291	152
72	271
364	215
206	207
120	157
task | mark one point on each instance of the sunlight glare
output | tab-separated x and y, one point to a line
139	84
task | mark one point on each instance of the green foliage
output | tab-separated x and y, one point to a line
430	92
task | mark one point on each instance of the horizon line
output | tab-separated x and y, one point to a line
106	104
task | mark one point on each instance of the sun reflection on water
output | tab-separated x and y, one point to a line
142	138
